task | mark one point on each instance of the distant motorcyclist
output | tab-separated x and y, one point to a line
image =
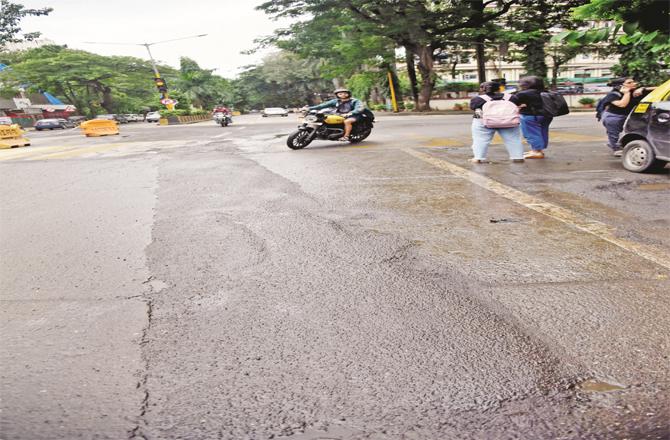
351	108
222	109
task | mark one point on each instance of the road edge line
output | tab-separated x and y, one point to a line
578	221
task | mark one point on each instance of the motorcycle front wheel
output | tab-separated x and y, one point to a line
299	139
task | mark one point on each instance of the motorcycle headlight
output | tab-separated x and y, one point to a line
310	118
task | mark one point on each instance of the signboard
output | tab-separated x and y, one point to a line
168	101
22	102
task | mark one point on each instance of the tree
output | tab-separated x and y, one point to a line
283	79
347	52
93	83
11	15
201	86
421	27
529	26
644	44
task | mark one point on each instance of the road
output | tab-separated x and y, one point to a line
203	282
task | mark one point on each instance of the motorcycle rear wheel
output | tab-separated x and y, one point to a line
360	136
299	139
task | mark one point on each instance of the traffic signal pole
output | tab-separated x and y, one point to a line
157	76
160	82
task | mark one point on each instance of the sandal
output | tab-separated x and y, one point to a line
533	154
343	139
474	160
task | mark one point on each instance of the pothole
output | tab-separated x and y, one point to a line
598	386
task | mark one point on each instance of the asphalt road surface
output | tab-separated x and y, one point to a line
200	282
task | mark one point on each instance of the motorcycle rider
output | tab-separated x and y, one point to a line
345	105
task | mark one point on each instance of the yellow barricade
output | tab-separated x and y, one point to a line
12	136
99	127
236	113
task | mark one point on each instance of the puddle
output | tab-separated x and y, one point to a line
597	386
653	186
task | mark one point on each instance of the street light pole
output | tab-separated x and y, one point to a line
154	66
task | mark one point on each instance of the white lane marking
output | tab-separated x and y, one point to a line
220	135
574	219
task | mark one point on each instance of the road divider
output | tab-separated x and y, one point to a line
99	127
11	136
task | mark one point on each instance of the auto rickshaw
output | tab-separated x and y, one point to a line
646	133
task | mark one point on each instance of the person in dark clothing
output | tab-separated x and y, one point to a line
534	123
618	104
482	136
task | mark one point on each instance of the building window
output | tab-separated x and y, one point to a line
470	76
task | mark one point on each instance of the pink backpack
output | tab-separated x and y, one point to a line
501	113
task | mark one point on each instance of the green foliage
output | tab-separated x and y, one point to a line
422	28
641	34
283	79
11	15
409	105
93	83
529	27
587	101
639	62
362	84
456	86
173	113
202	88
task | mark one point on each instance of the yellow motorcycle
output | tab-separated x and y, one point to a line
329	126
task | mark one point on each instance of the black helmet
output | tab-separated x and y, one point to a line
342	90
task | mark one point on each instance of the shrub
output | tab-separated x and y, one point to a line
587	102
409	105
172	113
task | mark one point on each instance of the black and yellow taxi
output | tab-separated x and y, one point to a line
646	134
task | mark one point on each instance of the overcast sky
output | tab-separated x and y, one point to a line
231	25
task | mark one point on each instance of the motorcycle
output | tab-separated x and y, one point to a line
327	125
223	119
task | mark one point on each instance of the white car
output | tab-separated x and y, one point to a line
274	111
153	116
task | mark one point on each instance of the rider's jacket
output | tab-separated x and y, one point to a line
353	106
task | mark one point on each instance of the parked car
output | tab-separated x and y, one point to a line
121	119
646	133
76	120
50	124
5	120
153	117
132	117
274	111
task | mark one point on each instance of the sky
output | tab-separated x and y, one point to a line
231	25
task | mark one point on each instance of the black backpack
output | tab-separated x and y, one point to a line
602	104
554	104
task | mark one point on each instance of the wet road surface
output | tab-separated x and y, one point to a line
207	282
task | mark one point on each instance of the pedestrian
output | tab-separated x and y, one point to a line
617	105
534	122
493	114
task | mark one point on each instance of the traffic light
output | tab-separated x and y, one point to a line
161	85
